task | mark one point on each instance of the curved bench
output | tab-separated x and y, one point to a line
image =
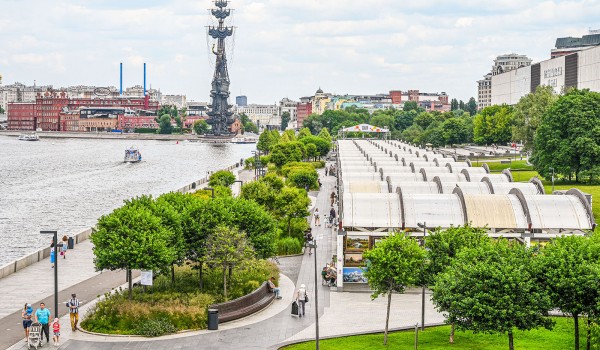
246	305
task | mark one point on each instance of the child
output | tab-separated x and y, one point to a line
56	330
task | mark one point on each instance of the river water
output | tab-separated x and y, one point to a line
67	184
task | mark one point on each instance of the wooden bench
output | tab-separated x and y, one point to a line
246	305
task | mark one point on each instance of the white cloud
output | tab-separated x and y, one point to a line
282	47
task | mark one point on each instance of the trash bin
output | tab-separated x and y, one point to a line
213	319
71	243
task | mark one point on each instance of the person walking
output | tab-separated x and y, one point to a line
26	314
308	239
42	315
301	298
317	217
56	332
73	305
52	257
64	247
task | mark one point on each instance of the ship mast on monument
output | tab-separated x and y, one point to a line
220	115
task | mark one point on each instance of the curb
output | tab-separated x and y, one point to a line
406	328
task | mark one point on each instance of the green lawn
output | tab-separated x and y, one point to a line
436	338
594	190
514	165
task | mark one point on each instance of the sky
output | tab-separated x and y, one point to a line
281	48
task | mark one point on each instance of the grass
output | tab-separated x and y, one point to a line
436	338
514	165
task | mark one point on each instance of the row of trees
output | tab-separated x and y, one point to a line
492	286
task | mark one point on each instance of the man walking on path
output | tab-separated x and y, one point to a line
301	299
73	305
42	315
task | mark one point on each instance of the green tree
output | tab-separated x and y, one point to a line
454	131
226	248
323	146
570	273
413	134
171	110
265	141
383	121
403	120
493	125
2	111
221	178
410	106
568	138
201	127
471	106
282	153
285	119
324	134
259	192
394	264
165	125
250	127
453	104
303	178
292	203
303	133
311	151
131	237
291	135
442	247
529	111
461	105
493	288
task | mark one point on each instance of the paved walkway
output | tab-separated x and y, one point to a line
340	313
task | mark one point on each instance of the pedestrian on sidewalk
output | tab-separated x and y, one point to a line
73	305
332	197
42	315
26	314
301	298
317	217
56	331
308	238
64	247
52	257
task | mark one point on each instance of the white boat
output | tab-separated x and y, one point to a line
132	155
241	139
29	137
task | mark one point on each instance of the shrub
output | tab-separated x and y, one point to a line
155	328
303	178
249	163
285	170
222	178
318	164
289	245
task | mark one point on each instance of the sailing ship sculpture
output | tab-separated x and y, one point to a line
220	115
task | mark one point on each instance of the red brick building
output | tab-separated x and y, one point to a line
303	110
396	97
131	122
21	116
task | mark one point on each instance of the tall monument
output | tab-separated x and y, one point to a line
220	114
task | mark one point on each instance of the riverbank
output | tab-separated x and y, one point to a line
108	136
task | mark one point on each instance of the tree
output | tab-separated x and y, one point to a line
311	151
403	120
221	178
529	111
413	134
394	264
282	153
471	106
131	237
303	132
571	275
461	105
454	131
303	178
410	106
165	125
285	119
323	146
568	136
493	124
291	135
259	192
250	127
226	248
325	135
453	104
265	141
443	246
493	288
290	204
201	127
2	111
383	120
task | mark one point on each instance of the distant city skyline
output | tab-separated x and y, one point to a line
284	48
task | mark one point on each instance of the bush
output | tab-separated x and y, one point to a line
318	164
298	227
145	131
155	328
285	170
221	178
245	279
303	178
249	163
288	246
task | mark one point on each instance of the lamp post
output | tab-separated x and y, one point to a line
314	246
552	179
424	226
54	244
211	189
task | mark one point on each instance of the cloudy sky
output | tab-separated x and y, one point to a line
282	48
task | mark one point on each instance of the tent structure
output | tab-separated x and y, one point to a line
367	128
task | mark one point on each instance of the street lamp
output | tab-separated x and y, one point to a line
552	179
54	246
424	227
314	245
210	189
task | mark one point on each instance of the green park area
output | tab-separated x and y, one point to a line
436	338
206	247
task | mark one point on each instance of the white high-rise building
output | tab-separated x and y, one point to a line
502	64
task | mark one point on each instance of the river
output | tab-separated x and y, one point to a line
67	184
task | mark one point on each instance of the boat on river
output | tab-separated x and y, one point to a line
29	137
132	155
